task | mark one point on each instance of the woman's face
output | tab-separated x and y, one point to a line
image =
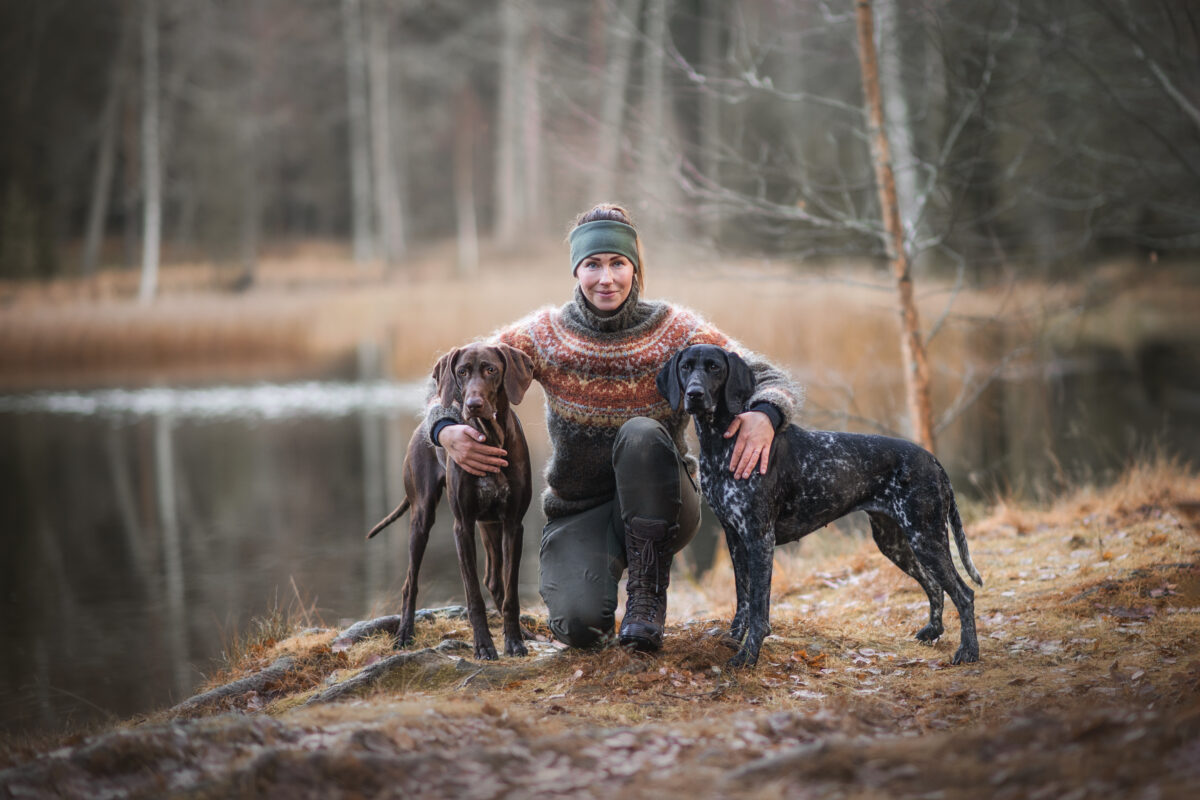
606	279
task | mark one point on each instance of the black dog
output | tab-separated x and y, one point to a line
485	380
813	478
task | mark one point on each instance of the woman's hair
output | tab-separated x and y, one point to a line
616	213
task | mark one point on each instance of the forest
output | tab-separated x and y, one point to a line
1027	136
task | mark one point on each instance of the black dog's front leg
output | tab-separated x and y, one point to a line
737	557
757	559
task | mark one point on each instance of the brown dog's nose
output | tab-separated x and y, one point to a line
474	404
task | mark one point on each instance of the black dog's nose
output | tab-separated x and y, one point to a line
695	393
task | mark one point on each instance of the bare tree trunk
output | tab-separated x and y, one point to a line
151	157
106	157
711	26
509	200
658	185
897	120
916	366
612	108
531	124
467	115
251	216
388	205
360	151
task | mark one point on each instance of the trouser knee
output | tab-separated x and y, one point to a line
652	480
584	628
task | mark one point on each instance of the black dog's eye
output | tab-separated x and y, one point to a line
712	366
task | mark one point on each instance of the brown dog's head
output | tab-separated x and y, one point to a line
483	377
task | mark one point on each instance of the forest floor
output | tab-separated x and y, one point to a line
1088	686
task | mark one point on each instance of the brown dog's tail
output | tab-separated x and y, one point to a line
960	536
395	515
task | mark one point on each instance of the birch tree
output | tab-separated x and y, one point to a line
359	136
912	348
619	36
151	155
106	156
389	208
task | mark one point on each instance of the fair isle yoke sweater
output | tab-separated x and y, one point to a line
599	372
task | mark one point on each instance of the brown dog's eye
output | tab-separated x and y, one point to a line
489	369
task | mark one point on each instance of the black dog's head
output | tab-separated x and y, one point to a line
704	377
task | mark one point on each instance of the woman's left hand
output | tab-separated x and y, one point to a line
754	433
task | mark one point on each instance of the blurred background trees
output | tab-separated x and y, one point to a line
1027	136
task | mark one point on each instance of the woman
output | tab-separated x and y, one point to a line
622	491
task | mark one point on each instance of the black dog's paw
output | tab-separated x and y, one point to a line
486	652
930	633
967	654
515	648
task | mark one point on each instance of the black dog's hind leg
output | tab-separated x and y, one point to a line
758	555
893	544
936	561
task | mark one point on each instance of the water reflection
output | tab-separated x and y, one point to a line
144	528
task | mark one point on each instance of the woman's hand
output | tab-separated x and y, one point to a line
754	433
465	446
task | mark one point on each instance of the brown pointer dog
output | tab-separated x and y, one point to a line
485	380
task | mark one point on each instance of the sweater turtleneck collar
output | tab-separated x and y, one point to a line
631	313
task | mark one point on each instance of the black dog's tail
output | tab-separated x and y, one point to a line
960	536
399	512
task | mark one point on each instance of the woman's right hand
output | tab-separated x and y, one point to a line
466	447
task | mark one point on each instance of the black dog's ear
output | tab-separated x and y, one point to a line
667	382
443	378
518	372
739	385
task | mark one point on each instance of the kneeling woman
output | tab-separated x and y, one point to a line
622	491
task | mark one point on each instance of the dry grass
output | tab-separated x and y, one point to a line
311	309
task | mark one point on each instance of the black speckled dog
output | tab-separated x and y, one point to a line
813	478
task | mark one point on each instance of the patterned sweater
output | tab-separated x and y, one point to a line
599	372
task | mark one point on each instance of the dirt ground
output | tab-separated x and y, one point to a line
1088	687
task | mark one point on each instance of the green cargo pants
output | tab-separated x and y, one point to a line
583	555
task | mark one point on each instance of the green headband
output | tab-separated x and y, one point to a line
603	236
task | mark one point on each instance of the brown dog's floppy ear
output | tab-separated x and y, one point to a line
739	385
518	372
667	381
443	378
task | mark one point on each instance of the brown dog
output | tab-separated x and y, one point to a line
484	381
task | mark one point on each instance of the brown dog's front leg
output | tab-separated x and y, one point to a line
464	540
